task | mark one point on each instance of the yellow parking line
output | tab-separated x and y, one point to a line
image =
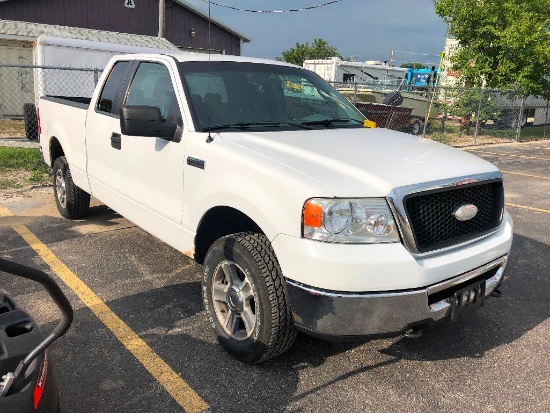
5	212
522	174
509	154
528	207
182	393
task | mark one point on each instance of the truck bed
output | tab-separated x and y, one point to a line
60	116
67	100
386	116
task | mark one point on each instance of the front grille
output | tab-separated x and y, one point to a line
431	214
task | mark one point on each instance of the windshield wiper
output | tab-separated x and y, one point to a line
328	122
247	125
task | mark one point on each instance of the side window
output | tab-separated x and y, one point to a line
152	86
108	93
348	77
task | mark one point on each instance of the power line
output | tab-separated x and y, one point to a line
385	52
417	53
273	11
424	63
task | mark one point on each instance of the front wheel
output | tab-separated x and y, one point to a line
72	202
246	298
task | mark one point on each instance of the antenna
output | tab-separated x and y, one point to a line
209	138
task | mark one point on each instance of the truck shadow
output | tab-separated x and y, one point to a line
171	321
55	228
523	306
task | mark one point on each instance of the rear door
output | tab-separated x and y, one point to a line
102	125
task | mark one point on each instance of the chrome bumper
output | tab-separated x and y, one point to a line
335	314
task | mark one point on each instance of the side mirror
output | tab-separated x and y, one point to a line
145	121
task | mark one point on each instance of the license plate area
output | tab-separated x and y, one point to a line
467	300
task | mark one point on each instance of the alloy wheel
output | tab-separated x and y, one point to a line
234	300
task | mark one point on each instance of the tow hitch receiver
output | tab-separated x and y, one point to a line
467	300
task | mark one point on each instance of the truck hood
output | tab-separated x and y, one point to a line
361	162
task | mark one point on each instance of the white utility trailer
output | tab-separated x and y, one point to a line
71	67
335	69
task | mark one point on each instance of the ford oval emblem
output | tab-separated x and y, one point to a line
465	212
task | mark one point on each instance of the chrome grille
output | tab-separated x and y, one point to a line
430	214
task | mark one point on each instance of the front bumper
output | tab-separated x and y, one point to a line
332	314
359	268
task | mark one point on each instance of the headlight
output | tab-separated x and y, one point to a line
354	221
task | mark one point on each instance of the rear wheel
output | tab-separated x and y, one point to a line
415	127
246	298
72	202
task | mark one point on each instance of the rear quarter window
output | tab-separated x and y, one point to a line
109	92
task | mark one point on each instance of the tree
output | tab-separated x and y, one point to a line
320	49
503	43
414	65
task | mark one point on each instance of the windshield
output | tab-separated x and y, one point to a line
243	95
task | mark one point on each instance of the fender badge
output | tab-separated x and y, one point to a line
197	163
465	212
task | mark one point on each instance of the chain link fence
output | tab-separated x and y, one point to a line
456	116
20	88
452	115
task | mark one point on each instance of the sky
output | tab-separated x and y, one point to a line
366	29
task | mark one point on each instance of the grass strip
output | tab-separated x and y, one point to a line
13	160
21	158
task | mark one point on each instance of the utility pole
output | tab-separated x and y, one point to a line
162	18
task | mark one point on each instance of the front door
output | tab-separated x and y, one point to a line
146	173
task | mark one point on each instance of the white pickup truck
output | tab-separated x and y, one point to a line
303	218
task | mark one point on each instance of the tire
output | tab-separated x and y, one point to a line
246	298
31	121
415	128
393	99
72	202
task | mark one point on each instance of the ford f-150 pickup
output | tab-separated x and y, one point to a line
303	218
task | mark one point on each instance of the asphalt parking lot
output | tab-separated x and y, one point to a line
149	348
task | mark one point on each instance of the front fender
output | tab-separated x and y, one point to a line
271	194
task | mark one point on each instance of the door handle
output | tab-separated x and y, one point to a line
116	141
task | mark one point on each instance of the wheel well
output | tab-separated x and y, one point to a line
55	150
219	222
